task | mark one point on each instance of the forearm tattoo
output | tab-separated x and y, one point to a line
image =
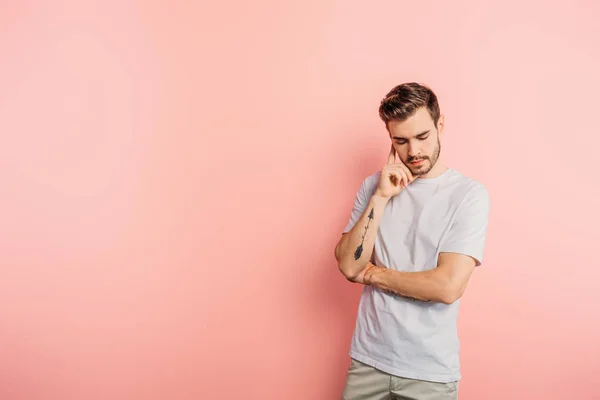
359	249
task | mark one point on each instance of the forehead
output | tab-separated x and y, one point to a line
419	122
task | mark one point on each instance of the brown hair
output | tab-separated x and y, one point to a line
404	100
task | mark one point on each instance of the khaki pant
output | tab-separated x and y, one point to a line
367	383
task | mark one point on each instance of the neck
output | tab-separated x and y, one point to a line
438	169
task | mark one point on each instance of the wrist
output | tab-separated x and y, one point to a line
373	275
363	276
379	198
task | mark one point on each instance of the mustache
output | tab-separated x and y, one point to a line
417	159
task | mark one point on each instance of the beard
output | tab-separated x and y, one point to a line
429	161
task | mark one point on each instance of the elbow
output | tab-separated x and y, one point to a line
348	272
450	295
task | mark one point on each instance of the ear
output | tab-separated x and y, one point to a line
441	124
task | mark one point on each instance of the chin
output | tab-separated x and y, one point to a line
423	169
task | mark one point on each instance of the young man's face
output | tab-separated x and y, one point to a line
417	141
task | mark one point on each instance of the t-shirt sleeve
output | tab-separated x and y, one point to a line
468	232
360	204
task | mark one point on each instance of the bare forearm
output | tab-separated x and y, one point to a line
356	247
430	285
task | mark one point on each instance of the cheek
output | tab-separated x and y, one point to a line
403	155
429	147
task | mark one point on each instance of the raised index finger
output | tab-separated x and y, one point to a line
392	156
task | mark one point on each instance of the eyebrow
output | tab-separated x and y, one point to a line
420	134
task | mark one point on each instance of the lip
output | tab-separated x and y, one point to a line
417	162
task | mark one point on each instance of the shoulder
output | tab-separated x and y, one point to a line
469	189
368	185
371	181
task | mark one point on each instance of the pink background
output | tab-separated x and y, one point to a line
175	175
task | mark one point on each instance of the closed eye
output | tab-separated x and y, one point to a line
418	137
421	136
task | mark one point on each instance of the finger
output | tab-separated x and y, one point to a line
394	177
405	179
404	168
392	155
409	173
398	174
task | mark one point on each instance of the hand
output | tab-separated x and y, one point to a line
366	274
395	176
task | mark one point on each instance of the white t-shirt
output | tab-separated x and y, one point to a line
402	336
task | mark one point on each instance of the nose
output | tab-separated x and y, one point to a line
413	151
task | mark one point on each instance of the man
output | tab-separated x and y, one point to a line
415	235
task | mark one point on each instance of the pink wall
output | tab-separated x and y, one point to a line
174	178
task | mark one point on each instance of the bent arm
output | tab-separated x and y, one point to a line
444	284
355	248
